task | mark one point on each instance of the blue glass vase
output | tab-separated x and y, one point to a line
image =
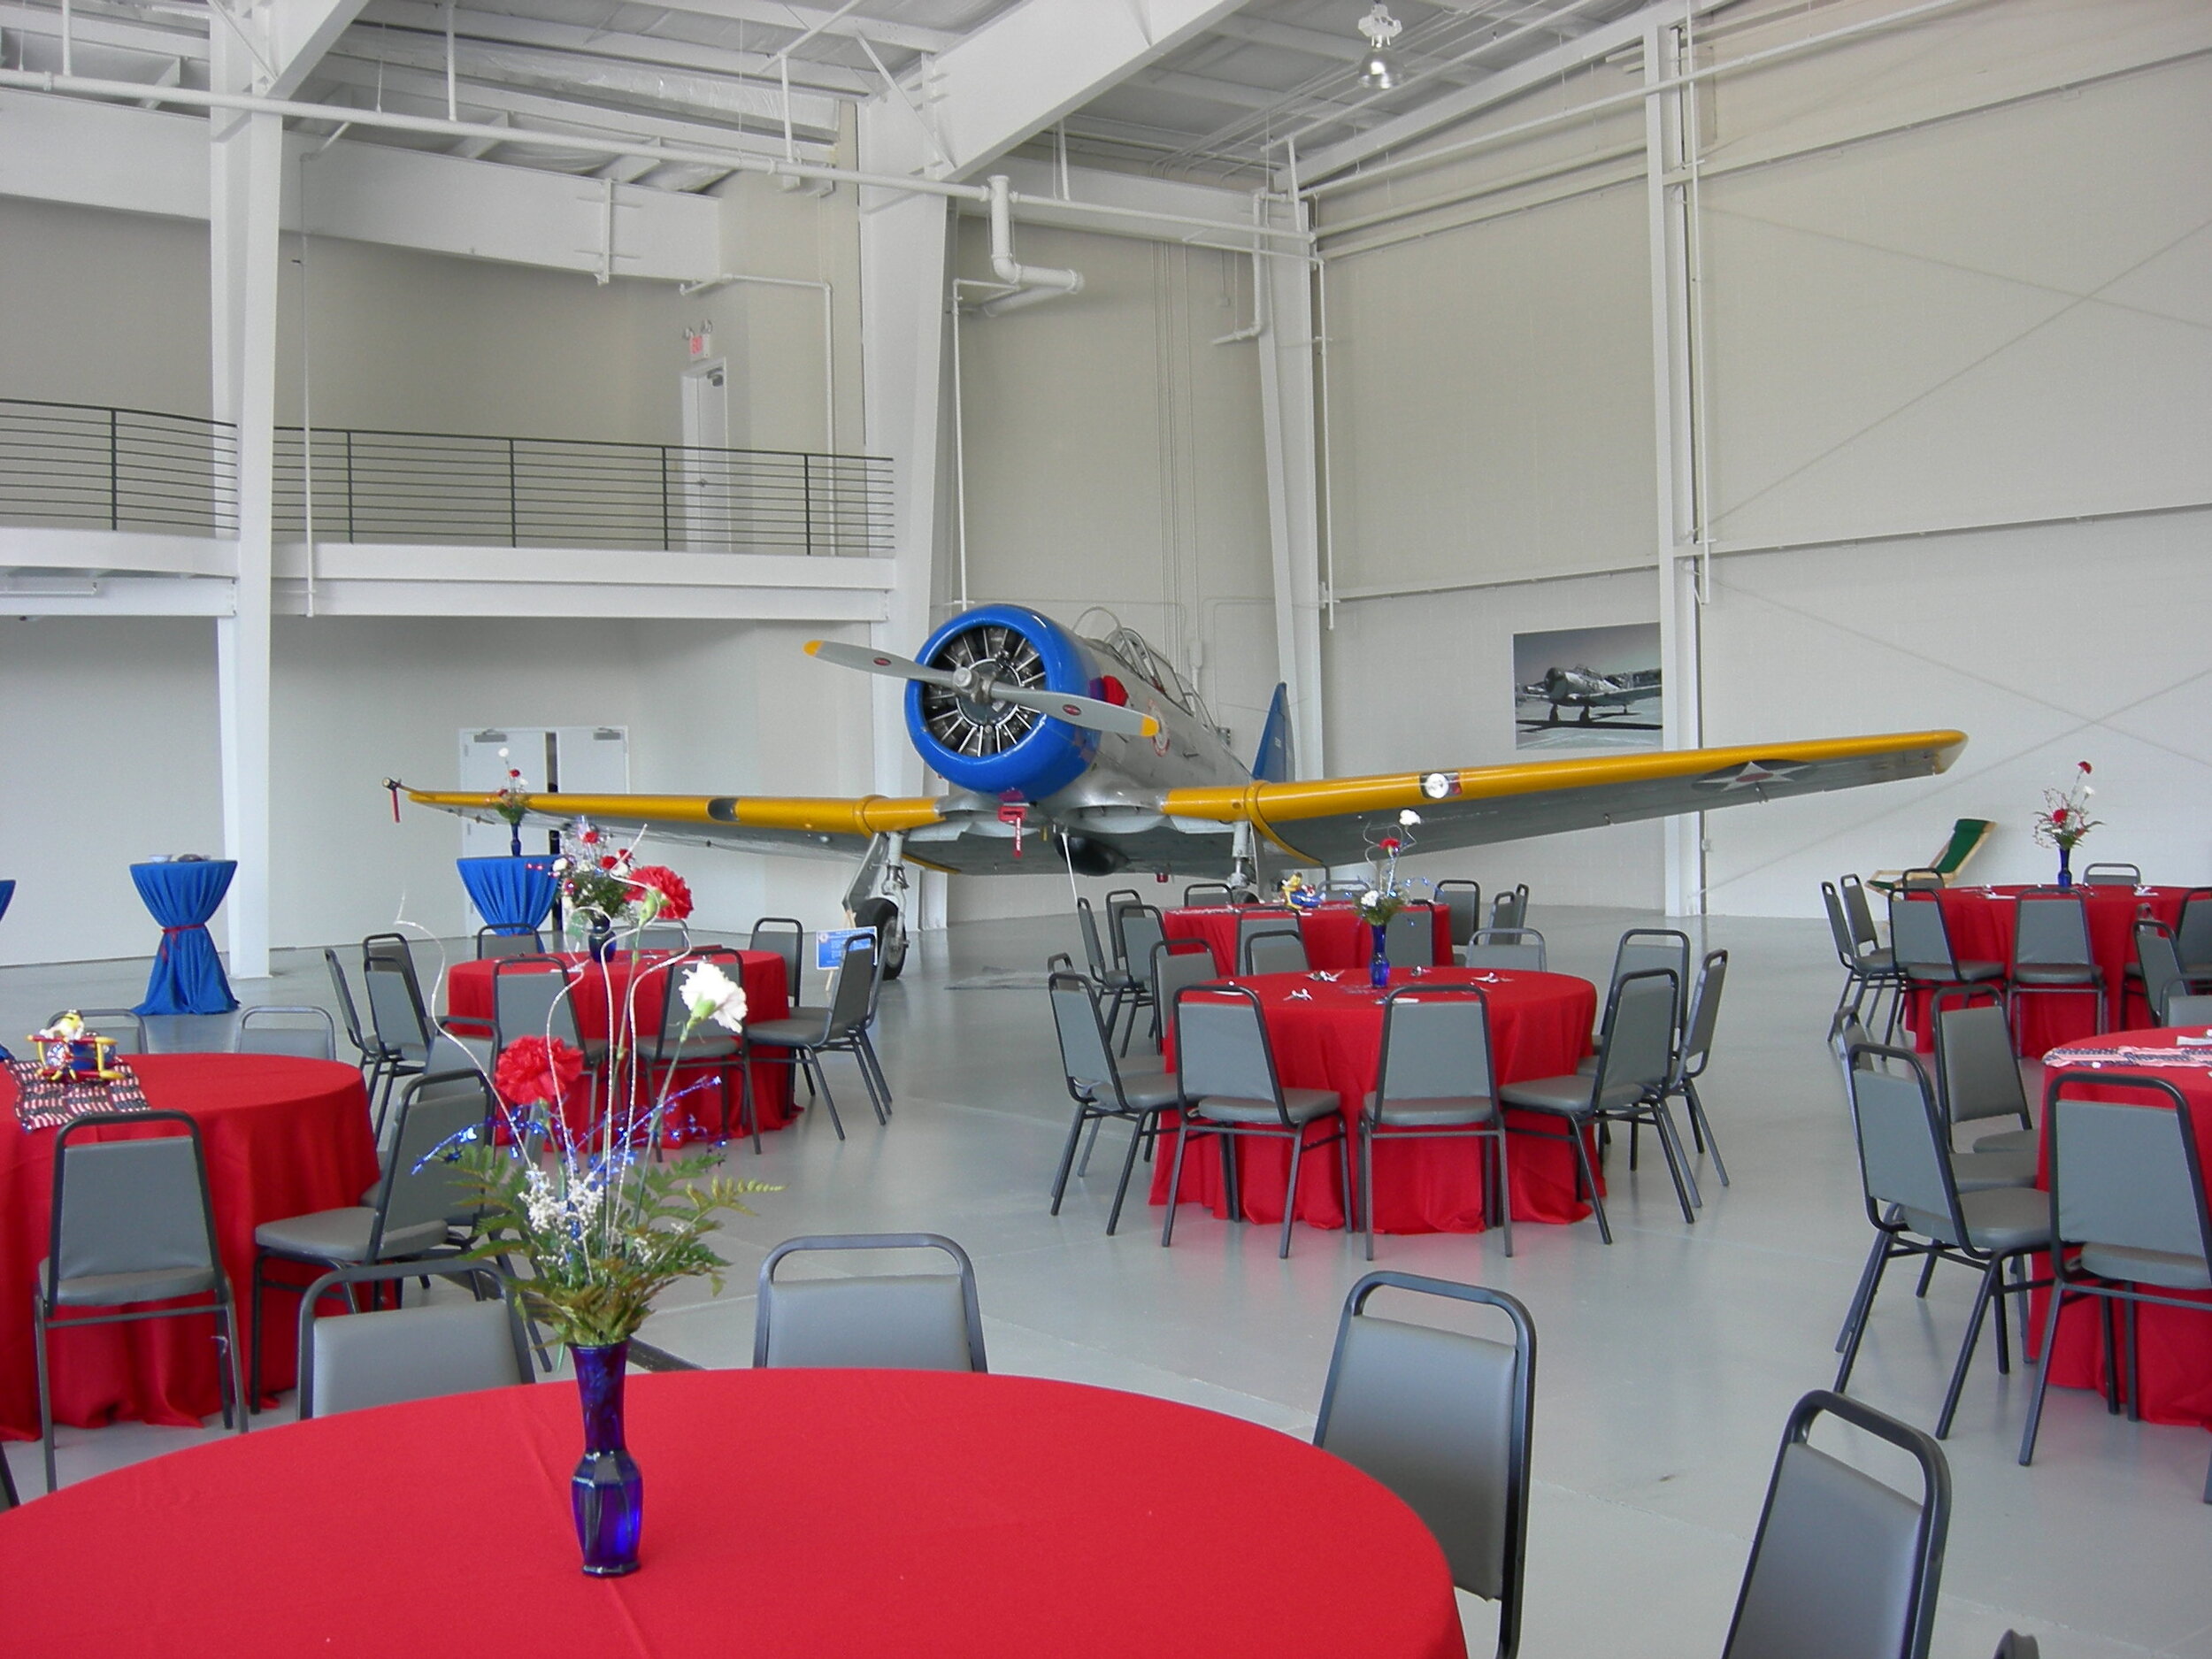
2065	867
602	942
608	1492
1378	962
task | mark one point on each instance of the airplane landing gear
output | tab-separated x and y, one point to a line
883	916
872	900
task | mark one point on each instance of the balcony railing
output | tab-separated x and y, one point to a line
85	466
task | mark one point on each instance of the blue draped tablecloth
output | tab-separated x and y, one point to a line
512	894
7	896
188	977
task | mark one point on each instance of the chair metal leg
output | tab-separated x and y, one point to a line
2042	1380
1702	1128
1175	1182
253	1363
1865	1312
815	1075
233	1371
1067	1155
2110	1316
1685	1191
1232	1185
1504	1188
1989	1281
1367	1184
1858	1293
1084	1167
1290	1193
1590	1178
45	1392
1927	1272
1121	1188
1344	1174
2135	1365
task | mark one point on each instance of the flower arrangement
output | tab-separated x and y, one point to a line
512	803
1386	895
604	889
2065	818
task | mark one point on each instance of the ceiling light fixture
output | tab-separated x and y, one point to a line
1377	69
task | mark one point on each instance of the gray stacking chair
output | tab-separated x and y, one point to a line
785	935
1843	1565
1113	982
9	1496
1505	947
2190	1011
371	1058
1203	893
1463	899
1278	949
2160	960
1509	909
385	1358
1226	1068
1867	972
410	1043
1410	941
2113	875
1261	919
664	936
1921	942
494	942
1435	1079
710	1045
1914	1202
1141	928
2192	933
1097	1085
1978	1074
1635	1064
1694	1053
804	1038
1445	1421
131	1227
1641	950
308	1033
1120	900
1865	938
2127	1200
2013	1645
2050	950
535	996
122	1026
901	1322
411	1211
857	1040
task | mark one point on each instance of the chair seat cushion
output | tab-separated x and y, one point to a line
1569	1094
1877	961
342	1235
1962	973
1978	1170
702	1046
2011	1140
114	1290
2162	1268
2000	1219
1299	1105
785	1034
2056	973
1150	1094
1413	1114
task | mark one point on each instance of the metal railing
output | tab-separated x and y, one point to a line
86	466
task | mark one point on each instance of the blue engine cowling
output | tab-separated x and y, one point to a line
1048	757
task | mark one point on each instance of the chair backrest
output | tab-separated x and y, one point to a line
1920	881
2125	1173
2050	930
1509	909
122	1026
396	1009
1697	1031
1436	1046
852	993
1198	893
1443	1419
664	936
2161	961
1860	913
2187	1011
1463	899
1839	926
2193	932
1120	900
1636	1043
1221	1047
348	1009
307	1032
1141	930
1278	949
905	1322
385	1358
1843	1565
129	1206
1904	1152
675	1013
530	998
1409	939
1505	947
785	935
1177	962
1093	953
497	942
2113	875
394	951
1917	936
1978	1070
1086	1058
1262	919
1643	948
423	1190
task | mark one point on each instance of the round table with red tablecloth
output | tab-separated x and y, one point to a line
603	989
1334	935
1331	1037
282	1137
787	1515
1980	921
2175	1343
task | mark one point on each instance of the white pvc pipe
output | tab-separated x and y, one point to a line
1031	283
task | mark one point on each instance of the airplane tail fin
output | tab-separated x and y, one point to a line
1277	760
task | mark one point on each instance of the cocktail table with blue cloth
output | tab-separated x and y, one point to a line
513	896
188	976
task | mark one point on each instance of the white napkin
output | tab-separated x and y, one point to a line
2193	1042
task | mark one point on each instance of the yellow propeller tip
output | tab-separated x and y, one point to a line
1151	726
811	646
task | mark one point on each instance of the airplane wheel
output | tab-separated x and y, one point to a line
883	916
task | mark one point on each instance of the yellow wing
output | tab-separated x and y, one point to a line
1328	821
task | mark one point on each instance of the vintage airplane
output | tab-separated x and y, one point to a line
1095	747
1585	688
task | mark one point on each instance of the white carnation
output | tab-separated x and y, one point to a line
710	994
1408	817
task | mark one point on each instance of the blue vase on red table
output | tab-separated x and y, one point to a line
1379	960
607	1491
602	941
2065	866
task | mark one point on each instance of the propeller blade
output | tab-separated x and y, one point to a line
1090	711
869	661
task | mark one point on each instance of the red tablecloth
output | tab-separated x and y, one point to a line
1334	935
2176	1344
813	1514
1980	920
601	990
282	1137
1539	1026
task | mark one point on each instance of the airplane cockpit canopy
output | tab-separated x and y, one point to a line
1131	647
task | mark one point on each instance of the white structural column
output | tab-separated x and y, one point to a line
245	175
1666	139
1285	345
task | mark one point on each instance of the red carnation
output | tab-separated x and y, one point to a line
2058	815
2085	766
1390	843
590	838
674	890
607	863
535	1069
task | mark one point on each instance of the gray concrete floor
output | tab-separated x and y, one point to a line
1667	1363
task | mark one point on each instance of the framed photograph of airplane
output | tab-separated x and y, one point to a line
1587	689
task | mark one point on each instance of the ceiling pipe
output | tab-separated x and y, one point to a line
1031	283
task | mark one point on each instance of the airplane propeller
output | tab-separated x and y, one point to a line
977	681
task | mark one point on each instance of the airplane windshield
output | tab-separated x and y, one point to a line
1130	646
